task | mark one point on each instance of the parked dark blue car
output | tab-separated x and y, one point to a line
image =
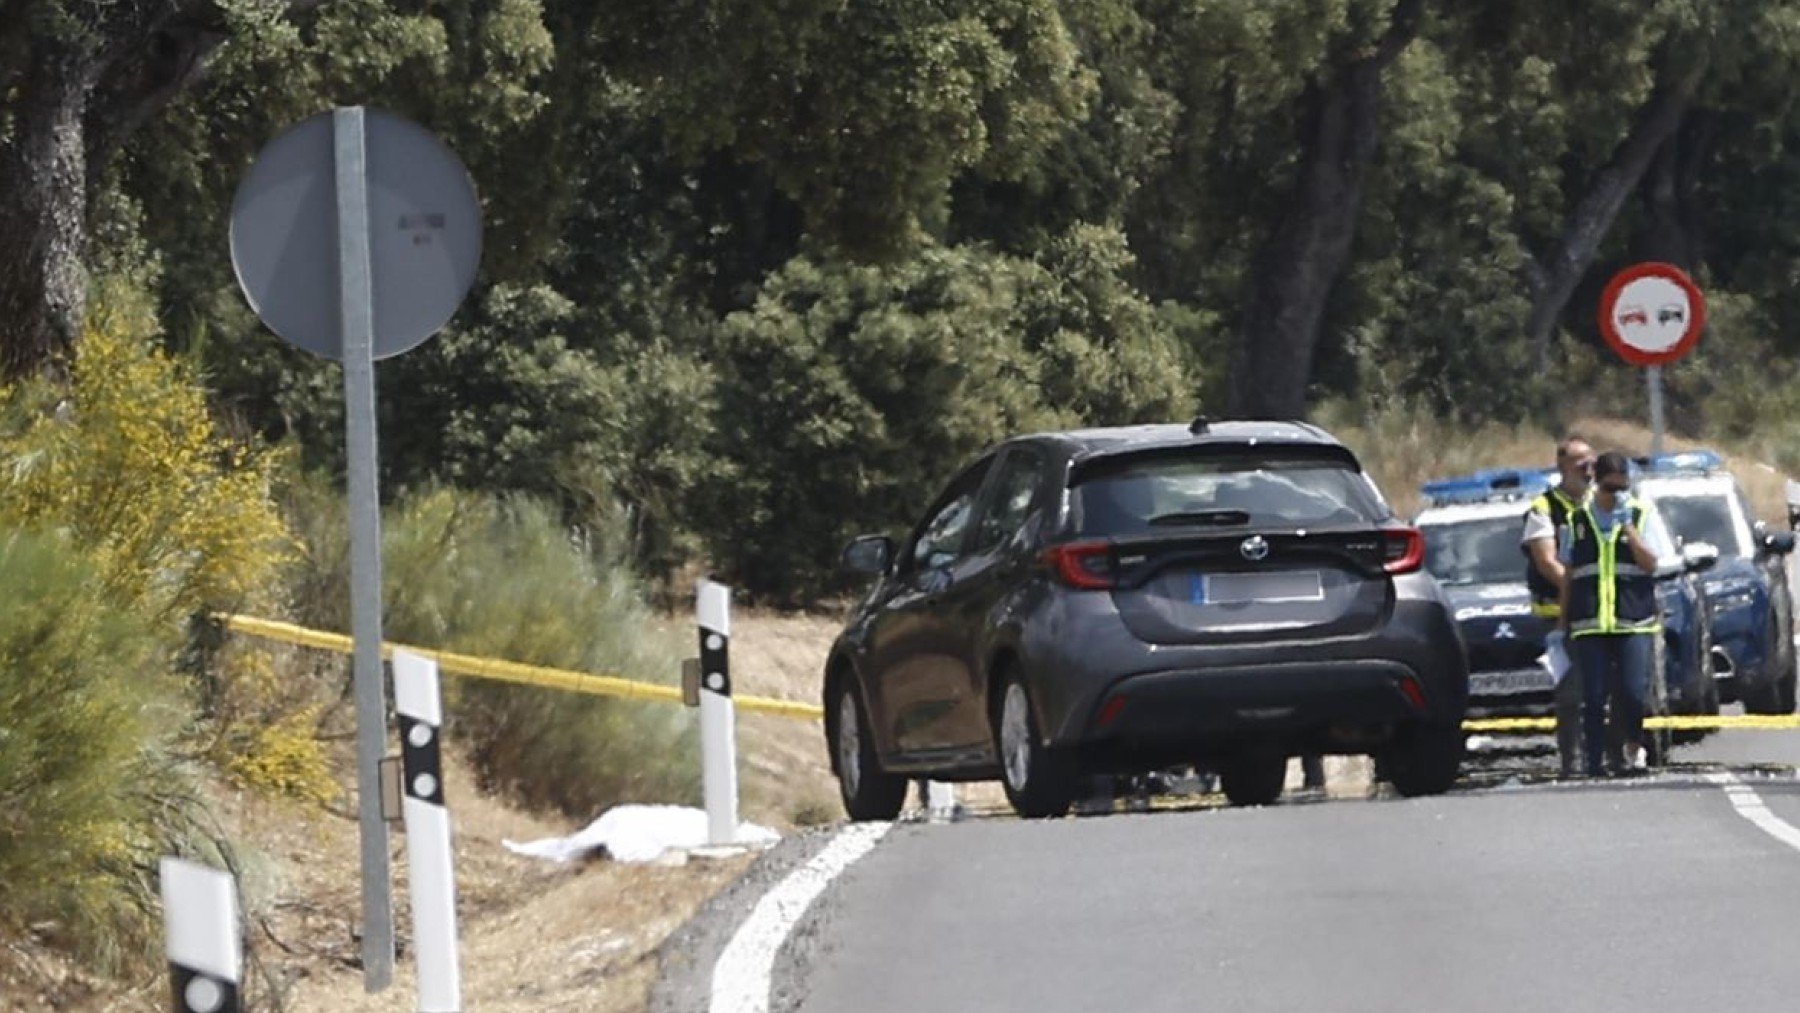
1750	602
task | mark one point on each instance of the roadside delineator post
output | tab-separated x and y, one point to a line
431	873
718	717
200	929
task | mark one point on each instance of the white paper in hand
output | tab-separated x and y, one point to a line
1555	657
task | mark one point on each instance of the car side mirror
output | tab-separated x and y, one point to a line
1778	542
1697	557
869	555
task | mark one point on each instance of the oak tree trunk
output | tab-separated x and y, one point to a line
1310	248
43	209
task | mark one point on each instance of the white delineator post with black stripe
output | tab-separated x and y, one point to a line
431	874
205	948
718	717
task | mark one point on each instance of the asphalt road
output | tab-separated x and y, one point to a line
1643	895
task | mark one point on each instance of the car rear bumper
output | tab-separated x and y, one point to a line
1169	708
1201	694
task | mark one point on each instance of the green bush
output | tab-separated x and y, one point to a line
849	394
85	701
505	578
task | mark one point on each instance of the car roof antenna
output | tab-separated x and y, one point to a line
1198	426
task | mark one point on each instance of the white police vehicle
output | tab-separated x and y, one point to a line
1471	527
1750	603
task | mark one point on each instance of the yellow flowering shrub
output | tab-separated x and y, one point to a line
284	758
127	464
128	461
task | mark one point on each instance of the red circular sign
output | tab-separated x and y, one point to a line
1652	314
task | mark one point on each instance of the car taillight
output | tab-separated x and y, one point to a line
1084	565
1404	550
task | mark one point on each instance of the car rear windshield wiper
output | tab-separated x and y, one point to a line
1217	518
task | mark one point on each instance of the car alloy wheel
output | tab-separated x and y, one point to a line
1015	737
849	743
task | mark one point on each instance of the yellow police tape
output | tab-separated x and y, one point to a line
510	671
1673	722
631	689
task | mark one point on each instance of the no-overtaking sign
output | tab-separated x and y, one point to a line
1652	314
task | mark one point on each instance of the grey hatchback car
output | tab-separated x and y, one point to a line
1130	599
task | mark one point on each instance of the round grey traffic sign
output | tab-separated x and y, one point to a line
424	234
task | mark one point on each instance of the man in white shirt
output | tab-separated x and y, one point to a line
1546	532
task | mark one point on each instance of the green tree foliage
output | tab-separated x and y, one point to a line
865	113
849	393
1435	191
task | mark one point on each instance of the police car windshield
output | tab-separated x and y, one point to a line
1702	519
1484	551
1157	494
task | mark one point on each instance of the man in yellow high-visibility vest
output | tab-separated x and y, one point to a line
1546	529
1609	609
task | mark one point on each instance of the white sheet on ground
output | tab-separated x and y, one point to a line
637	833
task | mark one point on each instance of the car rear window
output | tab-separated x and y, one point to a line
1142	496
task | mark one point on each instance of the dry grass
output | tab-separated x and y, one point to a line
1401	450
784	772
542	937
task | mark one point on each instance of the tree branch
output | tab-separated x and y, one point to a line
1561	270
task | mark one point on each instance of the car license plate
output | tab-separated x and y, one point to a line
1256	588
1529	680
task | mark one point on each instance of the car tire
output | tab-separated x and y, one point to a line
869	793
1039	780
1425	759
1254	777
1709	691
1775	695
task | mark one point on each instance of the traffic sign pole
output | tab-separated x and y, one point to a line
356	307
338	203
1654	380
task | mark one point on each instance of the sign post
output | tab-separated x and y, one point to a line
355	236
355	305
1652	314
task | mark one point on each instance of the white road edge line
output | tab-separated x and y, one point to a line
741	978
1750	806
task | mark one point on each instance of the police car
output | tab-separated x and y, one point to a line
1472	526
1750	602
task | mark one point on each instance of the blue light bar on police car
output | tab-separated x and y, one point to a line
1493	484
1686	461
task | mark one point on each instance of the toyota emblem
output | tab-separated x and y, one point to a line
1255	548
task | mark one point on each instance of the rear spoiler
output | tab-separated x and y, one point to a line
1083	467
